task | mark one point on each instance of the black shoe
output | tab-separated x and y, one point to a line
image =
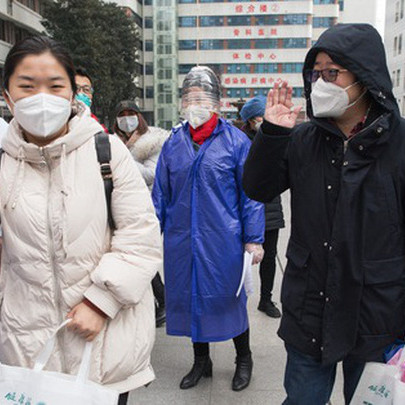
269	308
160	314
202	367
243	372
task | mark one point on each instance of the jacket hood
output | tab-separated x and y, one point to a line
358	48
81	128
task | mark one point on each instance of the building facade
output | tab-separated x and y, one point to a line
395	48
249	44
18	19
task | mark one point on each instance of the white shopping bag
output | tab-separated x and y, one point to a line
22	386
247	277
380	384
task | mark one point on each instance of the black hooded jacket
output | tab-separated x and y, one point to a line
343	292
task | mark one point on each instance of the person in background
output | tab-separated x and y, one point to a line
207	223
144	143
343	291
85	91
252	115
60	259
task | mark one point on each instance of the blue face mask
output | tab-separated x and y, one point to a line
84	98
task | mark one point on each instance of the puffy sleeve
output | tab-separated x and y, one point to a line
252	212
161	187
125	272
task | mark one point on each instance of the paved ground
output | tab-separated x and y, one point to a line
172	358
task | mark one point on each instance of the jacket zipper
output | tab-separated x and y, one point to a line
51	250
346	142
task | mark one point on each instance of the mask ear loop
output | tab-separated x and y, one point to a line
355	101
12	101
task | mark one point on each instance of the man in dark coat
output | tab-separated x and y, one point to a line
252	115
343	292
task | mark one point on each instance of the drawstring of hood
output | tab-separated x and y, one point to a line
16	186
64	193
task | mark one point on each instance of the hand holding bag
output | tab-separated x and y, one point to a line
380	384
23	386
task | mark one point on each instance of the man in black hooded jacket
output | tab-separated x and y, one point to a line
343	292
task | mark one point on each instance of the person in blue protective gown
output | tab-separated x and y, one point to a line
207	223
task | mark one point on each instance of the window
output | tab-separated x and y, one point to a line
265	43
296	19
399	44
187	45
238	43
148	45
149	68
211	21
398	77
239	20
187	21
393	78
292	67
31	4
294	43
149	92
186	1
184	69
397	11
148	22
341	5
323	22
402	9
147	2
267	19
324	1
395	46
210	44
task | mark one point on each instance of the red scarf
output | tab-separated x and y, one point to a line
204	131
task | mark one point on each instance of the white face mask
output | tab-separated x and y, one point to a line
330	100
196	116
42	115
128	124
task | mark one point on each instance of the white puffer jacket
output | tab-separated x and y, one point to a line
57	249
146	151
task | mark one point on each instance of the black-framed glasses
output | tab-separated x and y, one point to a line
328	75
85	89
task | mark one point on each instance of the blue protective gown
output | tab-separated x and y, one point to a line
206	219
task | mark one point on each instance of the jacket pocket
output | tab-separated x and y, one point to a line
295	279
391	201
383	300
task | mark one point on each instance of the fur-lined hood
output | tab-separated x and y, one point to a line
149	144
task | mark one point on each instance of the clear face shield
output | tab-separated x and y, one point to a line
201	93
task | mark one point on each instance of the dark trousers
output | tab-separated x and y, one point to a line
241	342
268	264
158	290
308	382
123	399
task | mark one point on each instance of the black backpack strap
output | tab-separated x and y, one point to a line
103	148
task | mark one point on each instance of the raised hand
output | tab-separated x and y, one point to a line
279	107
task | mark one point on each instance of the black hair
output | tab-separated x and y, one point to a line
81	71
38	45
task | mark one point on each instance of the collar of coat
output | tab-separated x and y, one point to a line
81	128
149	143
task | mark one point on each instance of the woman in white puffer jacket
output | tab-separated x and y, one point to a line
59	257
144	143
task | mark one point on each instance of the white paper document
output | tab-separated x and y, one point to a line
247	277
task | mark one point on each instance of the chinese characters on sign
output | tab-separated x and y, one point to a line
256	8
253	80
248	56
254	32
